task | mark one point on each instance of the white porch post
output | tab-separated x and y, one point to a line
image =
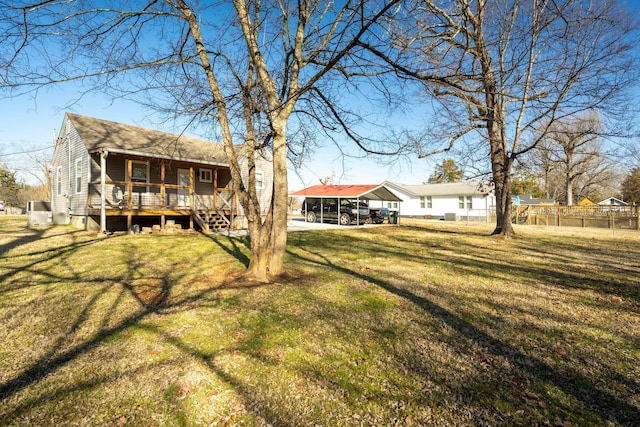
103	190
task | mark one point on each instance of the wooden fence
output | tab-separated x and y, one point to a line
612	217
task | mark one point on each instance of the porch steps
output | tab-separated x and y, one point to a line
215	222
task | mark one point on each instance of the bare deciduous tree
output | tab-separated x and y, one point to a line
574	150
499	69
243	68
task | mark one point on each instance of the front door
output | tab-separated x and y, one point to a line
183	193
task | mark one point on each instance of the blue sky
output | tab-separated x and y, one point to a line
28	126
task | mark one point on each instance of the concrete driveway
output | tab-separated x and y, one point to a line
299	224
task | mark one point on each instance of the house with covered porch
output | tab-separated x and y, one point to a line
110	176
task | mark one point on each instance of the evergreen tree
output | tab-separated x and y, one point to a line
8	187
448	171
631	187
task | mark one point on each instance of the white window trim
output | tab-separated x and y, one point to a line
59	181
203	173
139	184
259	182
78	175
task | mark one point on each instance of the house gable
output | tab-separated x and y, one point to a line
612	201
71	167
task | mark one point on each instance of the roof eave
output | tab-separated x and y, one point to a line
156	156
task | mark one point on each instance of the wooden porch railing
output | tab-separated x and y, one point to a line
132	195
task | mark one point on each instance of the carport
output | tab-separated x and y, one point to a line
350	192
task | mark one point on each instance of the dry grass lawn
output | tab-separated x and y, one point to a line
424	324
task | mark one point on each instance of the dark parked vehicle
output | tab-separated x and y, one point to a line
327	209
378	215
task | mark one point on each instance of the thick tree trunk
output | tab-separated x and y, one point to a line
504	226
269	236
501	167
569	190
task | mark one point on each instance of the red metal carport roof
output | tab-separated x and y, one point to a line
367	192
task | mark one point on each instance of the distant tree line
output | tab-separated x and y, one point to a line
17	194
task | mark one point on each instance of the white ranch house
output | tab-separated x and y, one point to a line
469	200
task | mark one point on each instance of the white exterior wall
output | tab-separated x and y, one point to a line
440	205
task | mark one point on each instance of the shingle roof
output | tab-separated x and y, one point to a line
466	188
98	135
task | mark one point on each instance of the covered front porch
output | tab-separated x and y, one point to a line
153	191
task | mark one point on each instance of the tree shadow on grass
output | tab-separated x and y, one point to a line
57	254
21	239
598	402
557	262
154	296
208	359
230	245
157	298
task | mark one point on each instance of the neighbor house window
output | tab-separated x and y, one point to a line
259	180
206	175
461	202
392	205
426	202
59	181
78	175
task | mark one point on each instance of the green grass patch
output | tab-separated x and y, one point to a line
428	323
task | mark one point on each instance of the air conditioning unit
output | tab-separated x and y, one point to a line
450	216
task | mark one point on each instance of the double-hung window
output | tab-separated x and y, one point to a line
469	202
426	202
206	175
140	174
259	180
59	181
78	175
